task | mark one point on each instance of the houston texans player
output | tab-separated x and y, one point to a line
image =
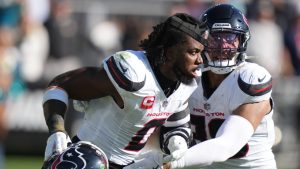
232	108
132	94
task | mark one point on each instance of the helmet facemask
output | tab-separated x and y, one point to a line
222	52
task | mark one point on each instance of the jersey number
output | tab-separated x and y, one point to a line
140	139
199	133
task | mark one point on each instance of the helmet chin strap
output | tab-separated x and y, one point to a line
222	71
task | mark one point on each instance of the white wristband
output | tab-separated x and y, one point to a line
56	94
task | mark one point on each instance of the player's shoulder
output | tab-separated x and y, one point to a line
254	79
128	68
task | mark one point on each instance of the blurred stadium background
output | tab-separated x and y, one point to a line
42	38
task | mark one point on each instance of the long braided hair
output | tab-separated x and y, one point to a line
169	33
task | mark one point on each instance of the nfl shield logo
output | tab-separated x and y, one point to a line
206	106
165	103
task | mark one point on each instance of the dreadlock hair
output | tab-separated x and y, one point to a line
161	38
169	33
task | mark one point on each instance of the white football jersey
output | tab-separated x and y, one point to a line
122	132
247	84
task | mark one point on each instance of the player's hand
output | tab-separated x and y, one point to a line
57	142
177	146
147	160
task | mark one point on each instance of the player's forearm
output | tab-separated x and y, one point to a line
183	131
54	120
177	124
55	104
231	137
202	154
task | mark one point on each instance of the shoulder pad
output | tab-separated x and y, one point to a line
128	70
255	80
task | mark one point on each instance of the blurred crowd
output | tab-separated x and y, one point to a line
42	38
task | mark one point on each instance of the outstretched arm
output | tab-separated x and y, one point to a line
233	134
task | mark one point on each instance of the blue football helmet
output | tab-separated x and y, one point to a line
227	41
81	155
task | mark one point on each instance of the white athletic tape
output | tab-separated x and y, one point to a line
56	94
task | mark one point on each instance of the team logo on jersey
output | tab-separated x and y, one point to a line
256	89
165	103
207	106
123	68
261	79
147	102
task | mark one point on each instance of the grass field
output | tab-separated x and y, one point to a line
35	162
23	162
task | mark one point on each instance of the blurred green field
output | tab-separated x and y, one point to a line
23	162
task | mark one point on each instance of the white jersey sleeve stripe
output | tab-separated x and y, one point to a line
122	80
255	90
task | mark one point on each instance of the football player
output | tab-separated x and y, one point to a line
132	94
232	108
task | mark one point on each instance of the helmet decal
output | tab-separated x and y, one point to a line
70	158
245	20
81	155
221	25
55	163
